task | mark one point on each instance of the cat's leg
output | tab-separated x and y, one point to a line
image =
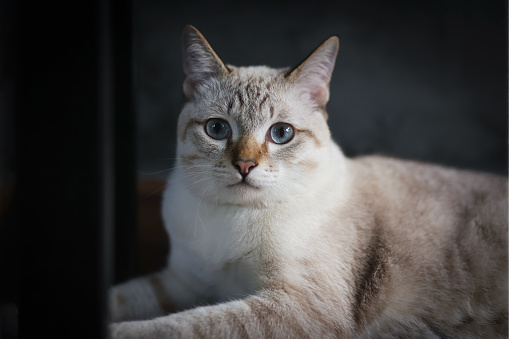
151	296
270	314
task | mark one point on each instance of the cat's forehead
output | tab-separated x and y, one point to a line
260	72
254	80
250	94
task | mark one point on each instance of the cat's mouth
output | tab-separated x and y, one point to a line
244	184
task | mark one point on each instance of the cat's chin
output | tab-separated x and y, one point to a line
244	193
243	185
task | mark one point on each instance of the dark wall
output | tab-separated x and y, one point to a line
425	81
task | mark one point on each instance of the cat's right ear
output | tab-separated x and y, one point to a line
200	61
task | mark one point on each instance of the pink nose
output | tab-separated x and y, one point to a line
245	166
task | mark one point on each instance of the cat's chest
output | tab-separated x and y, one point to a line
217	234
219	246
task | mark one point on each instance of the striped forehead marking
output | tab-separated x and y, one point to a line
251	93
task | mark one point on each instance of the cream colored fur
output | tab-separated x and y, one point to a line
312	244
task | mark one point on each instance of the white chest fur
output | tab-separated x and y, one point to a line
215	245
221	247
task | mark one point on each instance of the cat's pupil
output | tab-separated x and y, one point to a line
217	127
282	131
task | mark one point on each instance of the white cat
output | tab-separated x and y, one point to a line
276	234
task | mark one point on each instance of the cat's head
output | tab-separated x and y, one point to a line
253	134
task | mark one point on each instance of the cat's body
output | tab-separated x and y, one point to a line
284	237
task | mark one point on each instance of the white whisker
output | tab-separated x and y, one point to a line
200	199
163	186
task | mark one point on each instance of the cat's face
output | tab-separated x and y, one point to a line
249	135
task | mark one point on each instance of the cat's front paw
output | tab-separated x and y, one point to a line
117	305
115	331
143	329
127	330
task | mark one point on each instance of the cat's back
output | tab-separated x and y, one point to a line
407	180
415	198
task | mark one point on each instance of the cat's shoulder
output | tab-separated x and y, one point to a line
417	173
387	164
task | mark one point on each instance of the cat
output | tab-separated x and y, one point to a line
276	234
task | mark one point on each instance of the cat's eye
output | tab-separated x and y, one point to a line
281	133
217	129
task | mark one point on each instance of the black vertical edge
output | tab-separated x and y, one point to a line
63	203
106	121
10	261
124	39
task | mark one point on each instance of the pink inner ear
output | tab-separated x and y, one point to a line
320	95
314	81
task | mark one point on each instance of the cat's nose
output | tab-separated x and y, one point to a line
245	166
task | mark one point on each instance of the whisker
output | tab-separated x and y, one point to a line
198	216
173	167
163	186
154	173
197	181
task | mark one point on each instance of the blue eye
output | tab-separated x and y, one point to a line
217	129
281	133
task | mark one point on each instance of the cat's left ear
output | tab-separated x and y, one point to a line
200	61
312	76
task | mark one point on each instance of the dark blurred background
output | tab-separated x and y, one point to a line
423	80
90	94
